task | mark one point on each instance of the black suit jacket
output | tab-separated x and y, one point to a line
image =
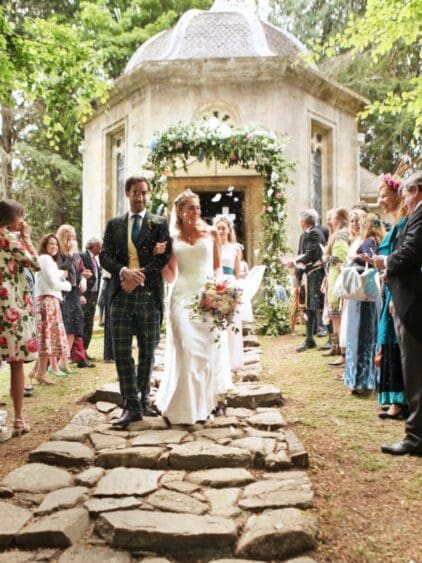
310	250
404	274
87	262
114	254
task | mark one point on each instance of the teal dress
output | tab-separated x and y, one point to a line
391	387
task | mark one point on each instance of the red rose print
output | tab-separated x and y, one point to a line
4	292
3	342
4	243
11	268
12	315
32	345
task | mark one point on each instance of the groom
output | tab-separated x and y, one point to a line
136	293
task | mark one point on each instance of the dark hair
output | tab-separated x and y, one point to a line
42	248
9	210
135	180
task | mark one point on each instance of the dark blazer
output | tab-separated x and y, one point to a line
87	262
404	274
115	254
310	250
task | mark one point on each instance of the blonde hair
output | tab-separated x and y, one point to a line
361	214
374	228
341	215
231	236
62	233
180	202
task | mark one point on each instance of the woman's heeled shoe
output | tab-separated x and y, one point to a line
68	371
20	427
339	362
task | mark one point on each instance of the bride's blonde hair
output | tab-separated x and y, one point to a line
179	203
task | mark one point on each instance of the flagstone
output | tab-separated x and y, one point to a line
37	478
91	553
202	455
72	433
165	531
146	458
277	534
89	477
254	395
127	481
221	478
271	420
60	499
62	453
174	501
12	519
60	529
96	505
105	441
159	437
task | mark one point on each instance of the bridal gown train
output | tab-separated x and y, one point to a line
196	369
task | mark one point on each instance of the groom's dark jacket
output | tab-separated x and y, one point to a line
115	254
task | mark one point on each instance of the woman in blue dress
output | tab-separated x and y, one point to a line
391	387
360	370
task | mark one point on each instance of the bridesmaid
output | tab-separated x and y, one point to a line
230	261
18	342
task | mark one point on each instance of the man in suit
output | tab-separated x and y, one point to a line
309	265
136	294
92	272
404	276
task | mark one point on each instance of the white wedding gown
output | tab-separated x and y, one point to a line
196	368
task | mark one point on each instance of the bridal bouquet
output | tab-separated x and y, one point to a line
217	302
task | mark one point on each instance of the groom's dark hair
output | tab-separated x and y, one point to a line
135	180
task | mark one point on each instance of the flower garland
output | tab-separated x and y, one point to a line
251	148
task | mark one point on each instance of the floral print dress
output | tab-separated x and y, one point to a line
18	338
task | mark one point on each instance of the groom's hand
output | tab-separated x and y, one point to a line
131	279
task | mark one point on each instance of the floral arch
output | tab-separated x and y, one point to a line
251	148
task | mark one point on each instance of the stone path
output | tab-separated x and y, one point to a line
231	490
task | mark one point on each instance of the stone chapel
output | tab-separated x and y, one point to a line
228	64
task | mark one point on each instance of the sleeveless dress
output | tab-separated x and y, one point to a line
228	258
196	368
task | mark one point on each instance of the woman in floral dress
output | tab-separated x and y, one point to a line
18	339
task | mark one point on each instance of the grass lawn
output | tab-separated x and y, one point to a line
368	504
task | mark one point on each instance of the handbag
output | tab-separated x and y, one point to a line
359	286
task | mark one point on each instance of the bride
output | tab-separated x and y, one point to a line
197	369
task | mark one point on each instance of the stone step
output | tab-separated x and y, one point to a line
251	396
165	532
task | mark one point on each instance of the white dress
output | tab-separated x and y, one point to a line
228	259
196	368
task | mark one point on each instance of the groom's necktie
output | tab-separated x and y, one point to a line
136	228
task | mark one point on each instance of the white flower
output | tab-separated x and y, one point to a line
274	177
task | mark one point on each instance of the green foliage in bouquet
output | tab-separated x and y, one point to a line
251	147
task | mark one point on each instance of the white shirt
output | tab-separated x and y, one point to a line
49	280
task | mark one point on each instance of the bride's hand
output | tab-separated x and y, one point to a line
159	248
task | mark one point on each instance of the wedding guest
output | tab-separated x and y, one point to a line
49	285
360	371
325	318
404	277
92	273
230	261
335	255
308	264
18	341
356	226
391	386
108	355
69	261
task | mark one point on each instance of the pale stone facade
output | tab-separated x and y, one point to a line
245	74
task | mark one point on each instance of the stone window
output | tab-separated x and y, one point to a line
321	169
220	110
116	167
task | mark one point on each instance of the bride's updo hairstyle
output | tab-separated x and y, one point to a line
179	203
231	235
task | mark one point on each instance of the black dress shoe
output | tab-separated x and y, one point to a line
85	364
306	346
126	418
401	448
149	411
401	415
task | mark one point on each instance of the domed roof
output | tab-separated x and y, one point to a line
225	31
